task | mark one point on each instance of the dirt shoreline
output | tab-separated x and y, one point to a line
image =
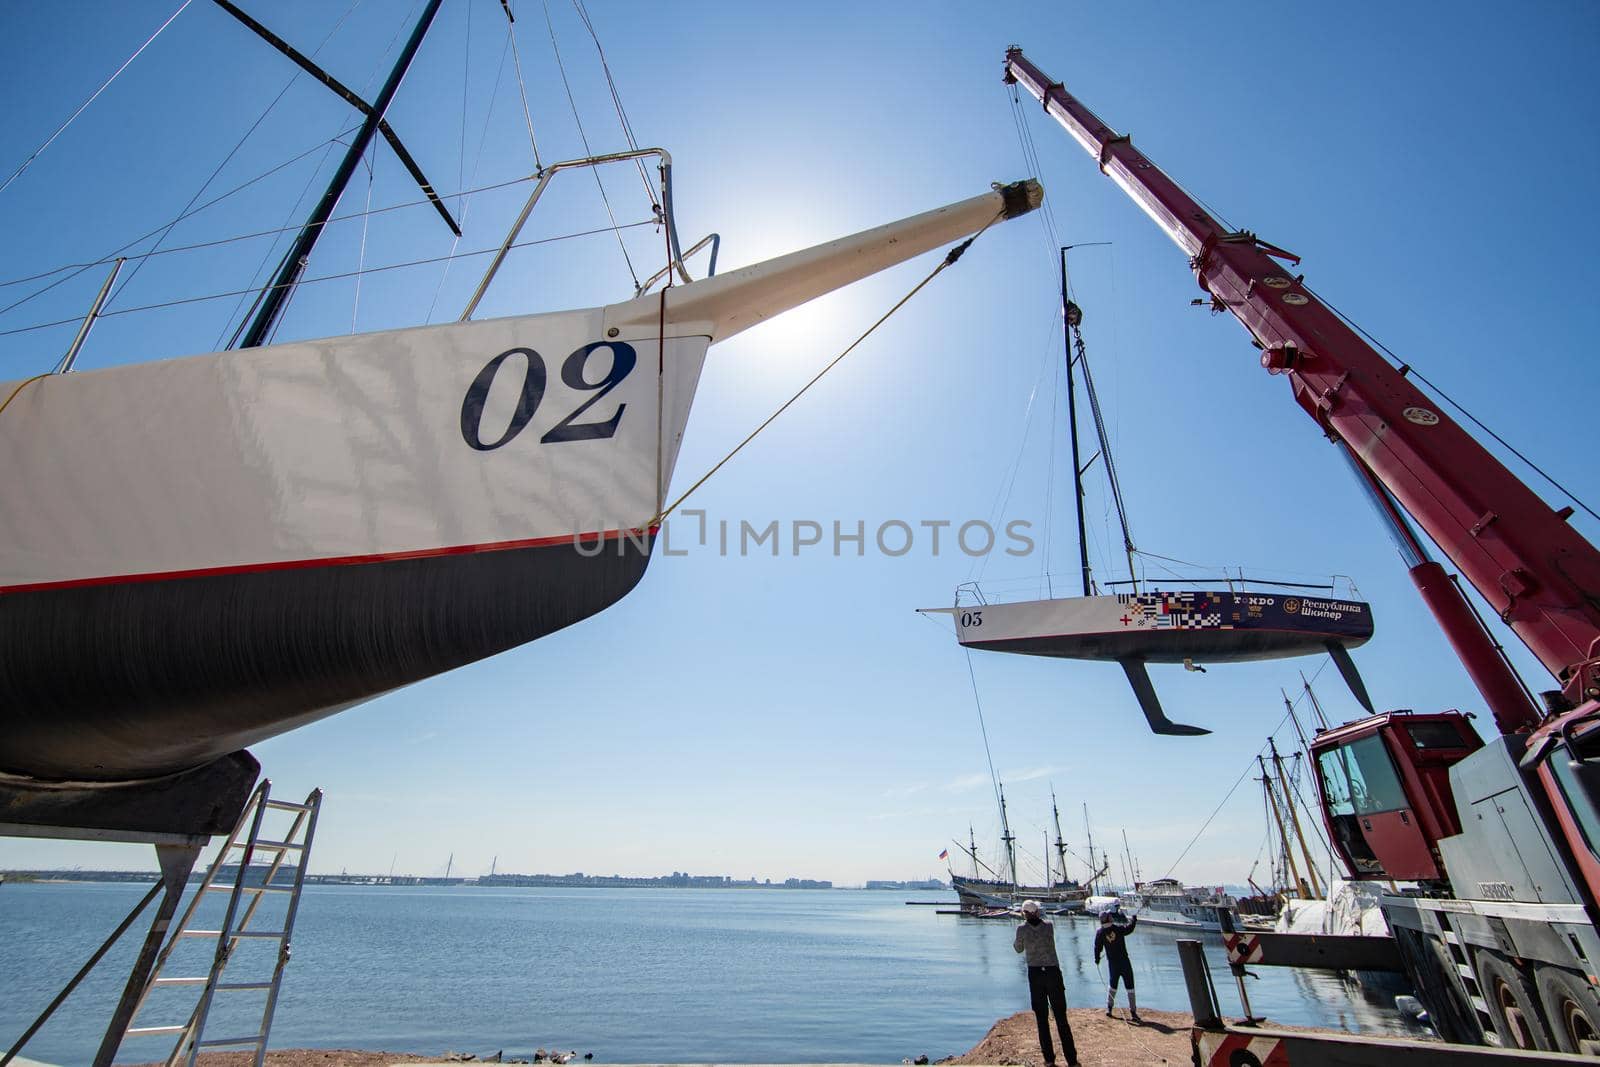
1011	1042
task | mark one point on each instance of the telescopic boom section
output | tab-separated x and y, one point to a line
1540	575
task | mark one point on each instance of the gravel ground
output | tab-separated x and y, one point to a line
1102	1042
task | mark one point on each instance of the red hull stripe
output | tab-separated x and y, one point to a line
335	561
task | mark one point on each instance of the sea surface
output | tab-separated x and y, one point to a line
632	975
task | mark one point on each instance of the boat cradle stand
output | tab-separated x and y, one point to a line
177	814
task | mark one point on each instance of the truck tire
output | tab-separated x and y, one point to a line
1513	1003
1572	1009
1430	967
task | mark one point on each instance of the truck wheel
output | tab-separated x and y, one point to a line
1513	1003
1573	1011
1430	967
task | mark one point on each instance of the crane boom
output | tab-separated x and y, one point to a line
1538	574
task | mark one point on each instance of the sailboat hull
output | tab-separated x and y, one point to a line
1211	627
216	549
157	676
203	552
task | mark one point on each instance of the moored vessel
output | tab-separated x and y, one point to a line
1168	902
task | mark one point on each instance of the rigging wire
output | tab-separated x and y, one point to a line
258	233
1003	495
226	159
1050	474
994	779
123	251
587	151
616	100
1030	160
37	152
361	254
1409	370
289	296
466	85
950	258
1105	449
1250	765
465	199
329	277
255	287
522	88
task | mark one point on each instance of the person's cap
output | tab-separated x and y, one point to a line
1030	907
1105	916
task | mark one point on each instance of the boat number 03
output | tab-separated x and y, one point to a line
972	618
623	359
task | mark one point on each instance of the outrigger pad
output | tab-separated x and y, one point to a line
202	802
1139	678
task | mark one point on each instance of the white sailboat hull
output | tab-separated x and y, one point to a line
203	552
1212	626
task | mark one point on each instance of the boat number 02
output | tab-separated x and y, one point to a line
623	359
972	618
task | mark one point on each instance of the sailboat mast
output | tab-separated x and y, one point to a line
1322	720
1071	315
972	849
1294	818
1300	886
1061	844
294	261
1094	872
1009	839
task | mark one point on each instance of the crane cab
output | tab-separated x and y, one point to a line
1386	795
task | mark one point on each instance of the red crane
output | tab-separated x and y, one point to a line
1539	574
1501	838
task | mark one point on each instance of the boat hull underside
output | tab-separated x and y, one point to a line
1215	626
1171	646
138	679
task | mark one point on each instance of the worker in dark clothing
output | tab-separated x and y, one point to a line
1112	939
1048	993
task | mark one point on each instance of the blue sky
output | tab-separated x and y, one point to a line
792	715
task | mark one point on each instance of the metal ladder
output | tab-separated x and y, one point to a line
296	839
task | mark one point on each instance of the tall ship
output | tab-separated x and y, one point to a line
1168	902
1058	894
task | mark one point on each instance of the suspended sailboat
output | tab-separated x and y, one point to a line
201	553
1145	626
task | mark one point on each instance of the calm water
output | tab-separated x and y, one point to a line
632	975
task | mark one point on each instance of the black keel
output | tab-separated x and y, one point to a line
1139	679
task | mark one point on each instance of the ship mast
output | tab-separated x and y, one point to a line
1094	872
1009	839
1071	316
1061	844
1294	818
1300	884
